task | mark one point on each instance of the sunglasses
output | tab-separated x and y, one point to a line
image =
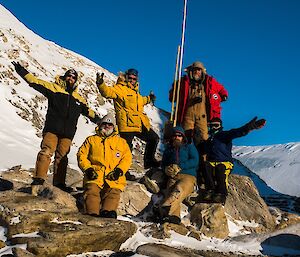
132	78
71	76
215	125
107	124
177	135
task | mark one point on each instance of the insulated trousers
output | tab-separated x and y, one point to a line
96	198
149	136
179	188
216	176
51	144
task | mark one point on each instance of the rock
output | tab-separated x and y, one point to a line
244	203
284	219
210	219
2	244
134	199
18	252
69	238
57	226
160	250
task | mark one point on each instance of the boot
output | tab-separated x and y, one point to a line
129	176
172	219
64	188
219	198
108	214
208	195
36	185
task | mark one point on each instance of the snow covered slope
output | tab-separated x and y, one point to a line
23	109
277	165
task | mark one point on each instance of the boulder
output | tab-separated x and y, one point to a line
210	220
244	203
134	199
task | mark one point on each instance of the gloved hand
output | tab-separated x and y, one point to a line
152	97
114	174
224	98
97	119
20	69
99	79
91	174
255	124
172	170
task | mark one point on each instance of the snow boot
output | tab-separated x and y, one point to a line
172	219
219	198
108	214
36	185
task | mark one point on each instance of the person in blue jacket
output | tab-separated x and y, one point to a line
180	163
219	161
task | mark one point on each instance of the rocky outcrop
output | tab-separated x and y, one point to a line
52	224
244	203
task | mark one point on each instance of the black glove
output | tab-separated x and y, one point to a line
255	124
99	79
20	69
96	120
115	174
224	98
91	174
152	97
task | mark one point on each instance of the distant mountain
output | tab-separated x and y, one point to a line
277	165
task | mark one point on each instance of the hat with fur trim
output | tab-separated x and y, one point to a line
196	64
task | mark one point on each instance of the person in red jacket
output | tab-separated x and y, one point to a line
200	97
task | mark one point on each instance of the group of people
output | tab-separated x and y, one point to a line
197	149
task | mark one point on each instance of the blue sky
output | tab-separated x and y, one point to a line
251	47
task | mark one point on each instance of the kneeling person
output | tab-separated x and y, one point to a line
104	158
180	163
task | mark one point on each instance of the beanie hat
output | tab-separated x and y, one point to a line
132	72
196	64
71	72
216	119
108	118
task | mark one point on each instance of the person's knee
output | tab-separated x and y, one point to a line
44	154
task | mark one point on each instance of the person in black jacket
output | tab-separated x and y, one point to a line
64	108
219	157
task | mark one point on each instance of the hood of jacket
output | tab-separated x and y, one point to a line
122	80
180	130
61	82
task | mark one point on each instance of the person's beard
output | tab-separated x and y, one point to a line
177	143
106	132
197	77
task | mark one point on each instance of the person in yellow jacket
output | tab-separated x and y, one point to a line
129	107
104	158
64	108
